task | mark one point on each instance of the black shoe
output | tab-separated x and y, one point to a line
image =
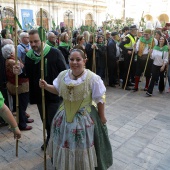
135	89
42	147
148	94
145	89
112	85
131	84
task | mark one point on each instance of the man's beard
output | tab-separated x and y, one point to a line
36	49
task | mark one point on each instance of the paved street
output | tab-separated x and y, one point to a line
139	131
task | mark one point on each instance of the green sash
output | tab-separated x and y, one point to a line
30	54
50	44
164	48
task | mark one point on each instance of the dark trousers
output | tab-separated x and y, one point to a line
127	59
140	66
50	111
101	72
23	99
112	70
155	75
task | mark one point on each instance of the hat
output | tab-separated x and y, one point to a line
108	32
114	33
147	31
133	27
167	25
125	28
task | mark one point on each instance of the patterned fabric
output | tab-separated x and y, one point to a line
82	143
72	144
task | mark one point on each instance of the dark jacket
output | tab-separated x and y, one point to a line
101	56
55	63
111	49
89	52
65	52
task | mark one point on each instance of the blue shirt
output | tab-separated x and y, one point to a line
22	52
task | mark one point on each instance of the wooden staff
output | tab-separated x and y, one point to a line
42	90
16	76
132	55
106	68
148	56
94	53
71	35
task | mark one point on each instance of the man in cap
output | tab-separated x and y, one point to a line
144	44
112	60
127	46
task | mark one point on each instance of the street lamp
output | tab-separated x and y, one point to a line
2	12
68	12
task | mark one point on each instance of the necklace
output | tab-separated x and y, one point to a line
75	77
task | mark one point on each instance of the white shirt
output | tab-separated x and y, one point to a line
96	84
146	49
159	57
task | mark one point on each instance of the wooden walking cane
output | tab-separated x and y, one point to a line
106	68
132	56
148	56
16	76
42	90
94	53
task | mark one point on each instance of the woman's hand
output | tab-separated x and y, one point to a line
162	68
150	52
103	120
42	83
94	46
17	69
17	133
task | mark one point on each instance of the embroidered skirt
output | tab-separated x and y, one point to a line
80	145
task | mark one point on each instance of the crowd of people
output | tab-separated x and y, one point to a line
76	69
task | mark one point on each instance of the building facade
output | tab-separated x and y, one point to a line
74	13
70	13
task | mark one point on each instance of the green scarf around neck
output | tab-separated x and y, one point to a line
65	45
164	48
142	39
30	54
50	44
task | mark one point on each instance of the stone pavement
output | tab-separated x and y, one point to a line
139	131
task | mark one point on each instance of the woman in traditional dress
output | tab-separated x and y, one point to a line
79	139
159	54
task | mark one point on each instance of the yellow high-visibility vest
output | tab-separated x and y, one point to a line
132	42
